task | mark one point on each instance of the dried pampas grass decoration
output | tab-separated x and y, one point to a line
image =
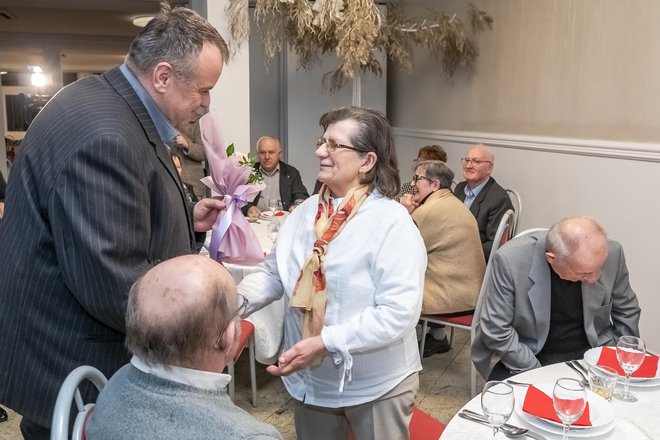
354	30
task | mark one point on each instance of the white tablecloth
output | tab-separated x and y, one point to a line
268	322
638	420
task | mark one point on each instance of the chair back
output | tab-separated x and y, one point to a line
68	392
530	231
517	208
503	232
501	237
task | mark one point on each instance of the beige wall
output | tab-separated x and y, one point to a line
588	69
567	93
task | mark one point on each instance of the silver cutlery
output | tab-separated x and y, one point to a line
520	384
510	431
585	381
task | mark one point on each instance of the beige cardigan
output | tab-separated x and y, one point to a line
456	261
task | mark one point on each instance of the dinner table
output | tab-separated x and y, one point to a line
610	420
269	321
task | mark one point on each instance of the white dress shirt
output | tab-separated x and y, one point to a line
206	380
375	275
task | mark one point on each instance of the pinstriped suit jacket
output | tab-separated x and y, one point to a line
93	202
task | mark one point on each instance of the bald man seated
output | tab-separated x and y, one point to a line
483	196
182	326
551	296
283	181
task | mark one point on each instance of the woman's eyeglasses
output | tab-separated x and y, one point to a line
240	311
416	177
332	146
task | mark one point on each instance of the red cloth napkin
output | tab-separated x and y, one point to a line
648	368
539	404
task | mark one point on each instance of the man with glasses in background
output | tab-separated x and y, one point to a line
182	326
487	200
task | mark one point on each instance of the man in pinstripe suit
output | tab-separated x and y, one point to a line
93	202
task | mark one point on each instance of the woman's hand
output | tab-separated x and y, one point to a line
298	357
408	202
206	212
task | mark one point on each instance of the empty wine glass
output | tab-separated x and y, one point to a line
275	205
497	402
630	352
569	399
273	230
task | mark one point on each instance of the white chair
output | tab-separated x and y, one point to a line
517	208
467	321
247	338
530	231
68	392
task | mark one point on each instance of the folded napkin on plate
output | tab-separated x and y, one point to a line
648	368
539	404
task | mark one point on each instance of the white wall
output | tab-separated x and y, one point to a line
614	182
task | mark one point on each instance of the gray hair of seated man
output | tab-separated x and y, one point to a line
568	235
174	316
436	170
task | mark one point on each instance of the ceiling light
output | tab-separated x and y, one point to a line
142	20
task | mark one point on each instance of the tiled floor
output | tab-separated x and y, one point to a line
444	388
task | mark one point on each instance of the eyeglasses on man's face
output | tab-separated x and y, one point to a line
332	146
240	311
467	161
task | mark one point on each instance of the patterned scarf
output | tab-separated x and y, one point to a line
309	295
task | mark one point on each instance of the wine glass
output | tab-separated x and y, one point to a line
630	352
569	399
275	205
497	402
273	229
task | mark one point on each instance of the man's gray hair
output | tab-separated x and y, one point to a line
179	341
437	170
175	36
563	242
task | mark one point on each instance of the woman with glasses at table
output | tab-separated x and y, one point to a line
456	262
350	263
429	152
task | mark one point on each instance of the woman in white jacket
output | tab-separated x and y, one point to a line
351	264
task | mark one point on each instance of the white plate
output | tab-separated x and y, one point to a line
269	215
601	414
593	354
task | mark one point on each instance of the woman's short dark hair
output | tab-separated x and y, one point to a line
432	152
175	36
374	134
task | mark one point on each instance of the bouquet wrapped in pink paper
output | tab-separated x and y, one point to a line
232	175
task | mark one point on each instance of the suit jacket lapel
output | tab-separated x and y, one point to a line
474	208
539	293
119	82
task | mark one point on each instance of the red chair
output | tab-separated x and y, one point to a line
467	321
246	339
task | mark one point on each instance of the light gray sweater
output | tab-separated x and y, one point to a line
137	405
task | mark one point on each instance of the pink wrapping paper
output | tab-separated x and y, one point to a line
232	238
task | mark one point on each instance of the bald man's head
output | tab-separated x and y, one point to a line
176	310
576	248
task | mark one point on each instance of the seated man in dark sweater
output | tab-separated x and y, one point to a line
182	325
551	296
